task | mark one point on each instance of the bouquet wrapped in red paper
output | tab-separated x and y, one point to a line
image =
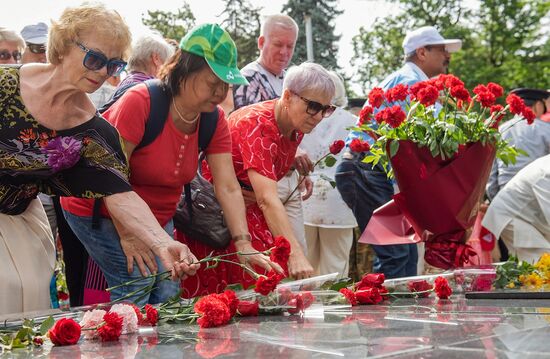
441	151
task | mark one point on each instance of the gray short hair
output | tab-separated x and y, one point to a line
144	46
340	99
278	20
12	36
309	77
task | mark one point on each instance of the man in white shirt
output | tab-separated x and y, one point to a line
520	212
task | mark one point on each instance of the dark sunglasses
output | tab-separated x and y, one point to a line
6	55
36	48
96	61
314	107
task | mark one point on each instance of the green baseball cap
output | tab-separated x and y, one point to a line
215	45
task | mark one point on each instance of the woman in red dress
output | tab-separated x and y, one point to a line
265	137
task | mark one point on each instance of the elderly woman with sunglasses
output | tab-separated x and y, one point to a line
265	138
53	141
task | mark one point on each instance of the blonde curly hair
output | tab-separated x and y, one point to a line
88	17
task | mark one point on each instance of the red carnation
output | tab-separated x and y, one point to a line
376	97
417	87
281	250
357	145
393	116
528	114
368	296
300	302
397	93
248	308
452	81
397	116
264	285
497	110
152	314
65	332
337	146
480	89
139	315
460	93
442	289
213	311
350	296
420	286
371	280
112	328
495	89
428	95
365	114
516	104
486	99
438	82
230	299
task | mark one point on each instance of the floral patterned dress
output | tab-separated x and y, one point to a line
257	144
84	161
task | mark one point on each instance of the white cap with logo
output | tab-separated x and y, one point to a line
428	35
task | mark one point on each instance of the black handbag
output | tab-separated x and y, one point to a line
200	216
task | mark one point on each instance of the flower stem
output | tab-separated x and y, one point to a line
304	178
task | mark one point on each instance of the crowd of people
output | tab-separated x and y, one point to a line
100	134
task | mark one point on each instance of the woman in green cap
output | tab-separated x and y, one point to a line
196	80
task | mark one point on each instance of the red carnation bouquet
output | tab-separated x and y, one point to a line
441	149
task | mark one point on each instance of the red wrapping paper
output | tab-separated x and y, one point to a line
438	202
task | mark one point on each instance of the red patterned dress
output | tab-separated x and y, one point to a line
257	144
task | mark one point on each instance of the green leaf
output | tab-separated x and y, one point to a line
394	147
236	287
46	325
330	161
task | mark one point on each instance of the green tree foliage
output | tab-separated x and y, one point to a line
325	41
242	21
172	25
502	41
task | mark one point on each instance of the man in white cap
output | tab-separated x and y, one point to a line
36	39
364	188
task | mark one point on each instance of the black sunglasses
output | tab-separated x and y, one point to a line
314	107
96	61
36	48
6	55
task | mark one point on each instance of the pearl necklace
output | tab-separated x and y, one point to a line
183	118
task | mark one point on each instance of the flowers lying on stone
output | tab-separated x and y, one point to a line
65	332
371	290
517	273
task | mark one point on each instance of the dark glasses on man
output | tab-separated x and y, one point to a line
96	61
36	48
314	107
6	55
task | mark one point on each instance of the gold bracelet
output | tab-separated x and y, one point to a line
240	237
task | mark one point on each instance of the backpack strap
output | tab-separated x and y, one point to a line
160	106
118	94
207	127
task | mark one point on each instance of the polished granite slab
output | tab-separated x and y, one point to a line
403	328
